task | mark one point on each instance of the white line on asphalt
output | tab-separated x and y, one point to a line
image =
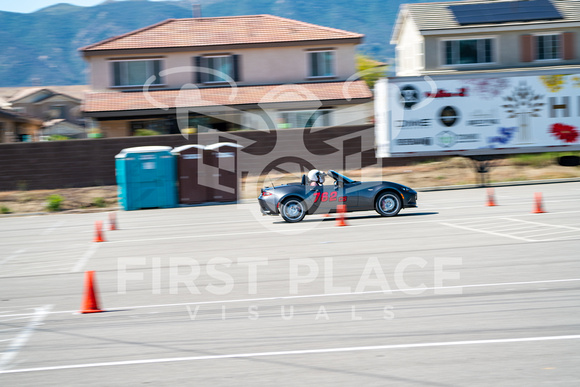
393	222
535	237
84	259
281	298
16	254
51	229
504	204
352	294
544	224
20	341
499	229
181	225
294	352
544	233
487	232
559	239
529	229
396	223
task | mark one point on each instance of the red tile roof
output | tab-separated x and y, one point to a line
215	31
224	96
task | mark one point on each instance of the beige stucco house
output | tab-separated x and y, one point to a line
480	35
56	108
18	127
225	73
59	110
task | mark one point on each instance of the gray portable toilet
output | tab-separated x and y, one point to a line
146	177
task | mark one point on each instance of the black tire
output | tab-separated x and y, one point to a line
388	204
293	210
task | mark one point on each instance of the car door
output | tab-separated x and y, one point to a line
349	194
327	197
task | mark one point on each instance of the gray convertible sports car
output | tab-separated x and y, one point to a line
293	201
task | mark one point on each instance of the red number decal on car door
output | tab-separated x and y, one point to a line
316	196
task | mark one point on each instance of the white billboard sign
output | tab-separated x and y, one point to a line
494	113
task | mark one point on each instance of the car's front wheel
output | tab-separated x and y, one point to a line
388	204
293	210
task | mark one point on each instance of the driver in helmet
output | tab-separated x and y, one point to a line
316	178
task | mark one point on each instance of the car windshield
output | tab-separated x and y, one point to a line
338	177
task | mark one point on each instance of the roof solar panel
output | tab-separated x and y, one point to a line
505	11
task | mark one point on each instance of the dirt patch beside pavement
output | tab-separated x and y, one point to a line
87	199
453	171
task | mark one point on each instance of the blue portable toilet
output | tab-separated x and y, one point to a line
146	177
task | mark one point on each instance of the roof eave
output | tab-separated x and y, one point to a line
157	50
499	27
210	108
401	16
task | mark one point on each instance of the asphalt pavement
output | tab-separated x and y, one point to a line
452	293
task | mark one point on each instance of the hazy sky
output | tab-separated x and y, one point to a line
26	6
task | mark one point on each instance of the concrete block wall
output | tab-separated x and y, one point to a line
91	162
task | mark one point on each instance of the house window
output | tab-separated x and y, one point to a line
217	68
321	63
136	72
57	111
420	56
304	118
547	47
468	51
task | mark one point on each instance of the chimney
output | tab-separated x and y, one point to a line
196	10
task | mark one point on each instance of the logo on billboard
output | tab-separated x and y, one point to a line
483	118
523	104
409	96
442	93
449	116
447	138
415	141
563	132
504	136
410	124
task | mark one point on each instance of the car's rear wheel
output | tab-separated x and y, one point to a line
388	204
293	210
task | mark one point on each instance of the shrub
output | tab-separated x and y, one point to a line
4	210
57	137
146	132
99	202
537	160
54	202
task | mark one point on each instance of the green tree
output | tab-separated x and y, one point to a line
371	70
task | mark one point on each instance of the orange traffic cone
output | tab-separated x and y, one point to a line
112	221
99	232
538	207
90	303
491	198
340	220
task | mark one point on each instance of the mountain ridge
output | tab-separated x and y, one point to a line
41	48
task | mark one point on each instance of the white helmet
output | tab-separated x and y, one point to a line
316	176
